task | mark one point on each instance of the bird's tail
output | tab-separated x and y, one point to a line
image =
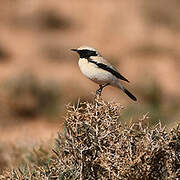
119	85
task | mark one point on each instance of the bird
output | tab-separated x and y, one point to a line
96	68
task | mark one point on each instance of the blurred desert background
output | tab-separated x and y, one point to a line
39	74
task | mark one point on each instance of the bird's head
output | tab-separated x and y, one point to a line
86	52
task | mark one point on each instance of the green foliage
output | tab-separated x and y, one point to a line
95	145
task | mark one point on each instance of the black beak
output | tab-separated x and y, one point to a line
74	50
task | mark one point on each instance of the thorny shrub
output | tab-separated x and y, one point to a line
95	145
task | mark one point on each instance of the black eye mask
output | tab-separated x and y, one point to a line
86	53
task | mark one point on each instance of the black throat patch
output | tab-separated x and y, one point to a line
86	53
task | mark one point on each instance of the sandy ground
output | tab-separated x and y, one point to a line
119	29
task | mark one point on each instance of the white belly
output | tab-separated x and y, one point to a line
94	73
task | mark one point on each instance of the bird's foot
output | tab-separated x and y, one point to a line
99	91
97	95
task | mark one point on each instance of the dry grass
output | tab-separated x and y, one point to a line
96	145
28	97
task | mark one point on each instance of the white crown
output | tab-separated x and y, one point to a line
89	48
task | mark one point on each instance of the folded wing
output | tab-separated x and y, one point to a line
110	69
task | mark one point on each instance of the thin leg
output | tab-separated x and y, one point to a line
99	91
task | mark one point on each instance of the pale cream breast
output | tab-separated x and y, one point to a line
94	73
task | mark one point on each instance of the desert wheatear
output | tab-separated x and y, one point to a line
99	70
